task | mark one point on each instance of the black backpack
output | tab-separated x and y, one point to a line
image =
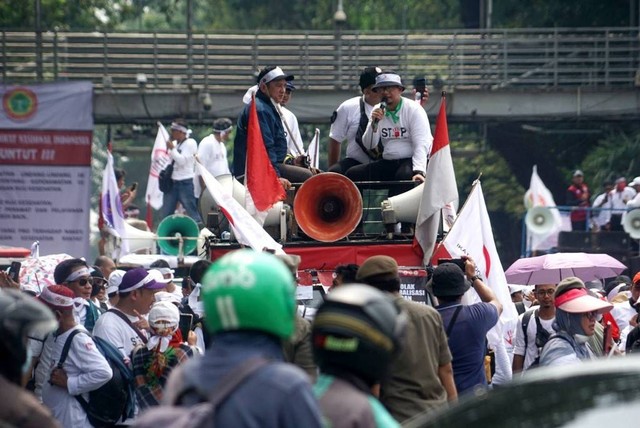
113	401
542	335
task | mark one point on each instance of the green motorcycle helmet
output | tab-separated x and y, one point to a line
249	290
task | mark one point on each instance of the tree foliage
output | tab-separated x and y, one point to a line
613	157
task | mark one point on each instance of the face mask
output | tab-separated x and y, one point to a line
27	362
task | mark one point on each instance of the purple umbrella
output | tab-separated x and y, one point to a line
553	268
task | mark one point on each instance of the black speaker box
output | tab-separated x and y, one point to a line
574	241
605	242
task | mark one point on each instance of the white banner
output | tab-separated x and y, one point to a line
45	179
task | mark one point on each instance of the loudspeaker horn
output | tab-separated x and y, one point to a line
328	207
631	223
178	226
206	203
539	220
402	207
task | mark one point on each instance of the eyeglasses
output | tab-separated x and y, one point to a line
545	292
591	315
385	88
83	281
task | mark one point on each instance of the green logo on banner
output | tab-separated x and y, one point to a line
20	103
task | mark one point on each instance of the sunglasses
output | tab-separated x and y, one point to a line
591	315
83	281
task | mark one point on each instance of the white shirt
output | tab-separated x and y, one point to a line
86	368
185	163
622	313
117	332
410	137
294	141
345	127
635	202
213	156
603	214
618	200
532	352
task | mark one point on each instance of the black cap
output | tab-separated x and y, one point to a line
448	281
368	76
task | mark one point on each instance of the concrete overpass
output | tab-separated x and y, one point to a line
490	75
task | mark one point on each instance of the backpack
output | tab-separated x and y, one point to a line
165	182
542	335
202	414
113	401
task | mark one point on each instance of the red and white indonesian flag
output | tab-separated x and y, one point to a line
539	196
246	229
313	151
263	186
159	160
472	235
440	188
112	212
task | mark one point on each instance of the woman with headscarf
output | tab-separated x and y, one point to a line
153	362
577	313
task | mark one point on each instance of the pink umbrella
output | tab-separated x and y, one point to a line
553	268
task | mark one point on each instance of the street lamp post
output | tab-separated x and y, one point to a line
339	18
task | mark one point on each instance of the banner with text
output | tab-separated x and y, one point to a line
45	153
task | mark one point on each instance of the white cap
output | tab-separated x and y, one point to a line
158	276
114	281
165	296
635	182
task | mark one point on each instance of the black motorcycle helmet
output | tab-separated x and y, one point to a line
358	329
21	315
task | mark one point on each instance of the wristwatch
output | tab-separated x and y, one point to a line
419	173
474	277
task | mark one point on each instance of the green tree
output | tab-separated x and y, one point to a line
614	156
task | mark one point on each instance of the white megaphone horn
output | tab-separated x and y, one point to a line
539	220
631	223
402	207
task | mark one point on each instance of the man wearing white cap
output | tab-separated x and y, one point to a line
182	151
403	128
272	82
124	325
83	370
576	315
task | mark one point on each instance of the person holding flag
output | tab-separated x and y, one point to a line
271	90
182	150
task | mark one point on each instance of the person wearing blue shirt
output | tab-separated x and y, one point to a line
466	325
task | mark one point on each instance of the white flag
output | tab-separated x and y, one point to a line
111	205
471	235
539	196
159	160
246	229
313	151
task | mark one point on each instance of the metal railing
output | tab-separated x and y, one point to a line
492	59
596	235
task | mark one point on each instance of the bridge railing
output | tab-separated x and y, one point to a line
536	58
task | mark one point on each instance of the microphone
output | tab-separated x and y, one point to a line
383	107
